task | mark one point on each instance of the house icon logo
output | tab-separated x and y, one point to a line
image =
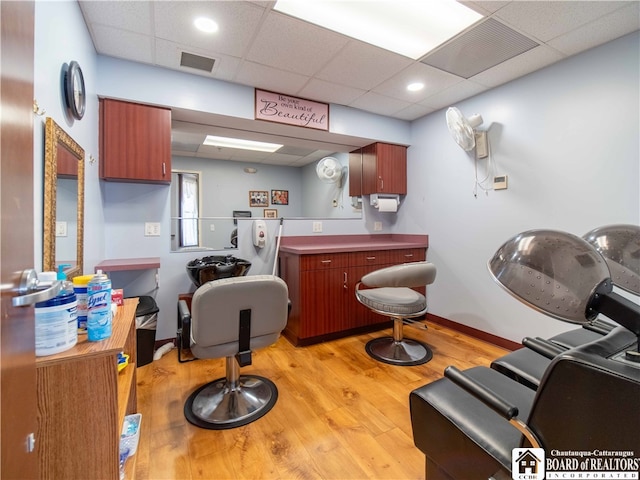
527	464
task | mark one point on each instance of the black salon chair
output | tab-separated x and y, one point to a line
390	292
468	423
229	319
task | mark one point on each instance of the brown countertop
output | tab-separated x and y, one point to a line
351	243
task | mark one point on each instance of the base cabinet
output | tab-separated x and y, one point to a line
322	292
82	402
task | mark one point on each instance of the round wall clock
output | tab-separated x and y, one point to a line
74	93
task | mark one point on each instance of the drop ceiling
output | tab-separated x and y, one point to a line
262	48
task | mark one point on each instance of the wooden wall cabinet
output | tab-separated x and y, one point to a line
378	168
135	142
82	402
322	292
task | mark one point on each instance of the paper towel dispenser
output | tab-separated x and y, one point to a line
385	202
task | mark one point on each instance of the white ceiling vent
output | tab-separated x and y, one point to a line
196	61
484	46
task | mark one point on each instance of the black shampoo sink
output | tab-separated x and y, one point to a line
214	267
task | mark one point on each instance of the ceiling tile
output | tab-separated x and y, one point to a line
174	22
131	16
269	78
330	92
379	104
607	28
363	66
528	62
449	96
291	45
123	44
547	20
414	111
167	54
433	79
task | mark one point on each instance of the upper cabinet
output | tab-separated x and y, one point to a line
378	168
135	142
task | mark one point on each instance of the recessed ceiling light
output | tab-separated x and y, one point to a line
241	144
411	27
206	25
416	86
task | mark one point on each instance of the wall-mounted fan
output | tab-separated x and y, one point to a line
329	170
463	129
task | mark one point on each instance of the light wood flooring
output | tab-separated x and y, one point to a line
339	415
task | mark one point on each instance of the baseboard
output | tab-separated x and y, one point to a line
474	332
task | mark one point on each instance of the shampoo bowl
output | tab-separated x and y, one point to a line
214	267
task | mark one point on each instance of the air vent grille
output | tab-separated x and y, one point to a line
196	61
481	48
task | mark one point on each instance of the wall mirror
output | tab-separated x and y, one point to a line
63	240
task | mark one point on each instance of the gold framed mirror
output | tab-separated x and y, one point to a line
63	238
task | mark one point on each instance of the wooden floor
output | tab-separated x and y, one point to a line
339	415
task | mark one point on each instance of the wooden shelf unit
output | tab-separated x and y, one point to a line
82	402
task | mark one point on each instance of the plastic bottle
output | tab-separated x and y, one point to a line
56	323
99	307
80	288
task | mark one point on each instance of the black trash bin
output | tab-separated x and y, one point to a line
146	326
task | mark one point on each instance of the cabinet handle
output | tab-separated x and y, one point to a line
344	285
325	261
408	255
164	169
371	258
381	184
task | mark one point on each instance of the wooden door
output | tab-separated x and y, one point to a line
392	168
17	350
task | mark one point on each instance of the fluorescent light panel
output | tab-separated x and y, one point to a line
409	27
240	144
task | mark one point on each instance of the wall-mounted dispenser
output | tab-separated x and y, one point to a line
259	233
385	202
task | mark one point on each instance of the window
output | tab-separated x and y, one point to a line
188	208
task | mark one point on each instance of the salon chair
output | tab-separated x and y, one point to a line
229	319
389	291
586	401
467	423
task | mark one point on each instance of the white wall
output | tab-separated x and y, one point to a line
60	37
567	137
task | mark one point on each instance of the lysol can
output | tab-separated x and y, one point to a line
98	307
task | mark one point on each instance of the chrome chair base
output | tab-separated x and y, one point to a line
404	352
222	404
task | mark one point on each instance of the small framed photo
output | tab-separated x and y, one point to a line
270	213
258	198
279	197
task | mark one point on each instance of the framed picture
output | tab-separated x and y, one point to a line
258	198
270	213
279	197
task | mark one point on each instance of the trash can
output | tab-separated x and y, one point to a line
146	326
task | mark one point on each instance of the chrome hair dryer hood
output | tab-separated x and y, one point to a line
620	247
563	276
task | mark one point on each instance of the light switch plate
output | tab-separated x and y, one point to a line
317	227
61	229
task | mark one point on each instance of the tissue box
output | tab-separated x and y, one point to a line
130	432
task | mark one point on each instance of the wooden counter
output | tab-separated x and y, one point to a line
82	402
321	274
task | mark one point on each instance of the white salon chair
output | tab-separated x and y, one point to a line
390	292
229	319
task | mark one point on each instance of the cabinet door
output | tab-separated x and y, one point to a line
355	173
323	295
392	168
384	169
135	142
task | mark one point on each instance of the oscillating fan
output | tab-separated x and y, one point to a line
462	128
329	170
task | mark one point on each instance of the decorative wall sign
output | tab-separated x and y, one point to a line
280	108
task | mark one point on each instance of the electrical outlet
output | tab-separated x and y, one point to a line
152	229
377	226
334	202
212	227
317	227
61	229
